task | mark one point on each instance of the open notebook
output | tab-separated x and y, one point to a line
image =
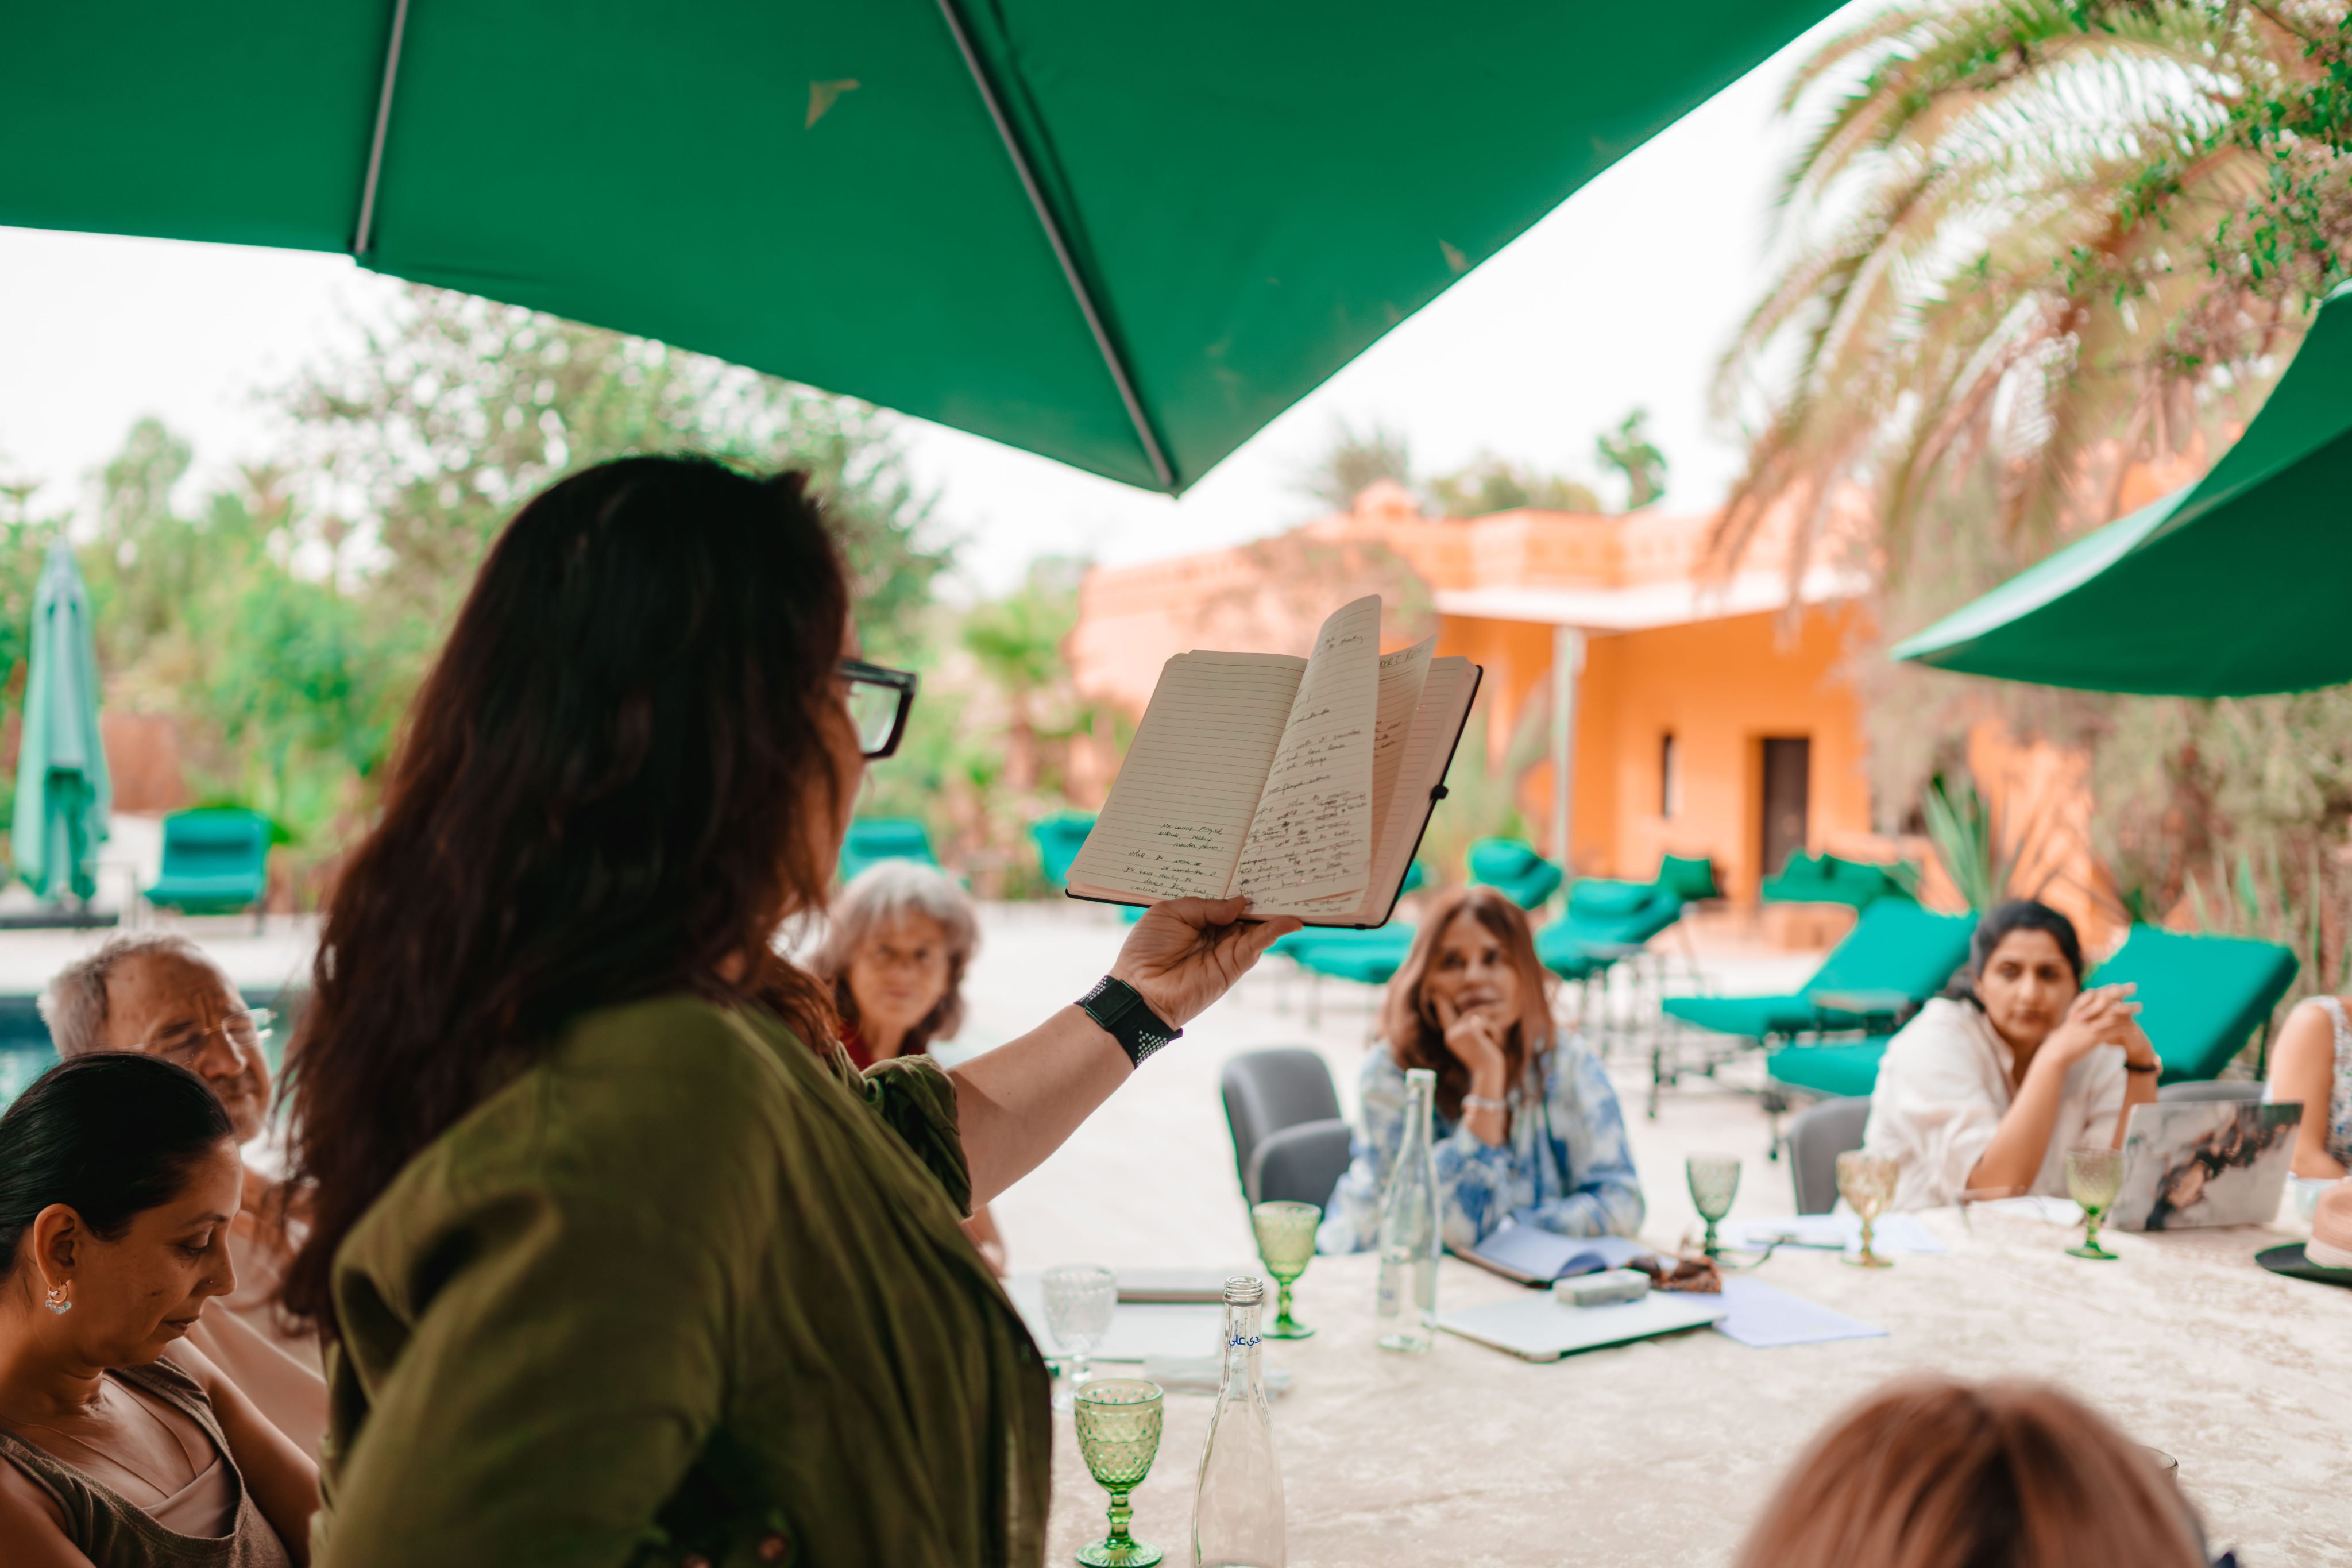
1303	783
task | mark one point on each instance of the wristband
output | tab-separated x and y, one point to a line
1127	1018
1480	1102
2156	1064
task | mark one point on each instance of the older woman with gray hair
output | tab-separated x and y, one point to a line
900	939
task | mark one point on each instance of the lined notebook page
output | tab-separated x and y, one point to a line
1445	693
1181	808
1401	674
1312	836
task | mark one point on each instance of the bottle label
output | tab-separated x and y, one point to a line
1243	1341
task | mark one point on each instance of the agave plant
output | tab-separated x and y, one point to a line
2024	241
1988	856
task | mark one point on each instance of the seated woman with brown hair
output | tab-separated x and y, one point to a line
900	938
1525	1127
120	1445
1939	1474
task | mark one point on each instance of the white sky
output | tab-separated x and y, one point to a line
1624	296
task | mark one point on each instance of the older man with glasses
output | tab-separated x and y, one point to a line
158	994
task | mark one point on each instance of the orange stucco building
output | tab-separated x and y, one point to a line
1704	715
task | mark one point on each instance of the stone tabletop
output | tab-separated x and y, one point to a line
1662	1452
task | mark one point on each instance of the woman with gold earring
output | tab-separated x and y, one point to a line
120	1445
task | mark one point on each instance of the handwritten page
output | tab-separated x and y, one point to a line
1311	836
1180	810
1445	693
1401	675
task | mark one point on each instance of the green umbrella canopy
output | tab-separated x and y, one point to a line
2233	586
1125	236
62	795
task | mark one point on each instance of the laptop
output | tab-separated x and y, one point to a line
2193	1164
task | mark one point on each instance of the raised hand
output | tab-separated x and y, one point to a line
1186	953
1475	1038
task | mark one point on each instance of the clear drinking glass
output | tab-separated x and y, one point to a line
1118	1436
1866	1182
1286	1245
1714	1182
1404	1316
1238	1506
2094	1176
1078	1301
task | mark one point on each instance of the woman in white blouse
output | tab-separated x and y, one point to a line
1990	1086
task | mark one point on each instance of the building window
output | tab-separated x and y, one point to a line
1670	779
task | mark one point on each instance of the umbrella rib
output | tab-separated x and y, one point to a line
1054	236
365	235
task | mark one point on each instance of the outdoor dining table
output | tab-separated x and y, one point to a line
1664	1450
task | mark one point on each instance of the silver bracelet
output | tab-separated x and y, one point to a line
1480	1102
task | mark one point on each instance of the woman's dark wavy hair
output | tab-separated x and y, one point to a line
110	1134
603	795
2018	914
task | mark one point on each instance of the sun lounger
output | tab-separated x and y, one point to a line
216	862
1512	865
2202	997
1059	838
1827	879
874	839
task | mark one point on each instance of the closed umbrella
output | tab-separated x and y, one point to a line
1123	236
2234	586
62	795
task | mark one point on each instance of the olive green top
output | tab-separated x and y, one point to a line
683	1289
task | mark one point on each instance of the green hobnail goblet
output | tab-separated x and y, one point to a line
1714	1182
1118	1436
2094	1177
1286	1242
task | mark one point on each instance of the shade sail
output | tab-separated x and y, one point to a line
2241	584
62	795
989	213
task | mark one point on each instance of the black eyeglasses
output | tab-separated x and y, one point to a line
879	700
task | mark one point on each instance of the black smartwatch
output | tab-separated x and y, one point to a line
1128	1018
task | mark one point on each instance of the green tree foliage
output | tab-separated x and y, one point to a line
1489	484
1352	460
2028	245
457	409
1628	451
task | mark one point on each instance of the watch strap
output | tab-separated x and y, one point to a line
1123	1013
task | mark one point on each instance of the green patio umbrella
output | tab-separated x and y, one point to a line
1123	236
2233	586
62	795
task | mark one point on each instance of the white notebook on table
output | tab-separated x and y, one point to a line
1303	783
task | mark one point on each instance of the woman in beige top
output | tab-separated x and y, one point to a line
119	1176
1990	1086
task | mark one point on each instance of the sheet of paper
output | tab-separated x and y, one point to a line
1311	836
1764	1317
2037	1206
1840	1232
1181	808
1136	1333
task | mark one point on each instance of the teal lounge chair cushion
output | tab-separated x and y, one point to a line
1059	838
874	839
215	861
1896	946
1827	879
1689	879
1834	1072
2202	997
1599	896
1366	957
1512	865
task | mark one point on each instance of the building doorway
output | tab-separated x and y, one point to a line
1788	783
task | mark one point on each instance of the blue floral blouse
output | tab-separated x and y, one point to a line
1565	1167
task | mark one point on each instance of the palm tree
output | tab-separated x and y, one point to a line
2031	243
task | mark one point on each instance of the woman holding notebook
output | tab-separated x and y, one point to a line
1526	1127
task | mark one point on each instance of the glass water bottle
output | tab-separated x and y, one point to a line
1237	1500
1406	1315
